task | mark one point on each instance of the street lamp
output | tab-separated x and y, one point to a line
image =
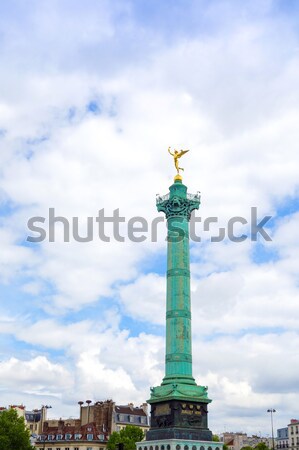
272	411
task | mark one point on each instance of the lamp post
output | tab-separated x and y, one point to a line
271	411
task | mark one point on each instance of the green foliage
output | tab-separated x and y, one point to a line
247	447
225	447
261	446
215	438
128	436
13	433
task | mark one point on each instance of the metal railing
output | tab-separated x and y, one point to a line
163	198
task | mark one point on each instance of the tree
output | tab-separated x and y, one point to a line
127	436
13	432
261	446
215	438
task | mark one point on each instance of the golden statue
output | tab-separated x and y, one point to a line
176	155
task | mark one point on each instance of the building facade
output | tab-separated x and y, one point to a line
293	434
235	441
92	429
111	417
66	436
282	440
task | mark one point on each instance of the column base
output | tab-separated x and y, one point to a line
179	444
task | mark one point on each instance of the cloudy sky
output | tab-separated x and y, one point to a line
92	94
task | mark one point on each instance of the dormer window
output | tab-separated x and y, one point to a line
90	437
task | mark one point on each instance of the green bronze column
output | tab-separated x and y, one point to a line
177	208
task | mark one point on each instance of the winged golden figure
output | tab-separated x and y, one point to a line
176	155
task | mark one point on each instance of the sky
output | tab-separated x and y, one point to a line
91	96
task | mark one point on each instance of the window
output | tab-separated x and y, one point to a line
89	429
66	448
101	437
68	436
77	436
59	437
89	448
90	437
76	448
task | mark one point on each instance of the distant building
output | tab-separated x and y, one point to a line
66	436
235	441
92	429
111	417
293	434
282	438
129	415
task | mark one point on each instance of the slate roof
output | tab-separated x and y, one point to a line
129	410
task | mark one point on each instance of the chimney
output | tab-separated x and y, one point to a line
144	407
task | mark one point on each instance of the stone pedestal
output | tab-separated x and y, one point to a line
179	420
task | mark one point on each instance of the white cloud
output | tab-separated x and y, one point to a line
230	95
37	375
144	299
